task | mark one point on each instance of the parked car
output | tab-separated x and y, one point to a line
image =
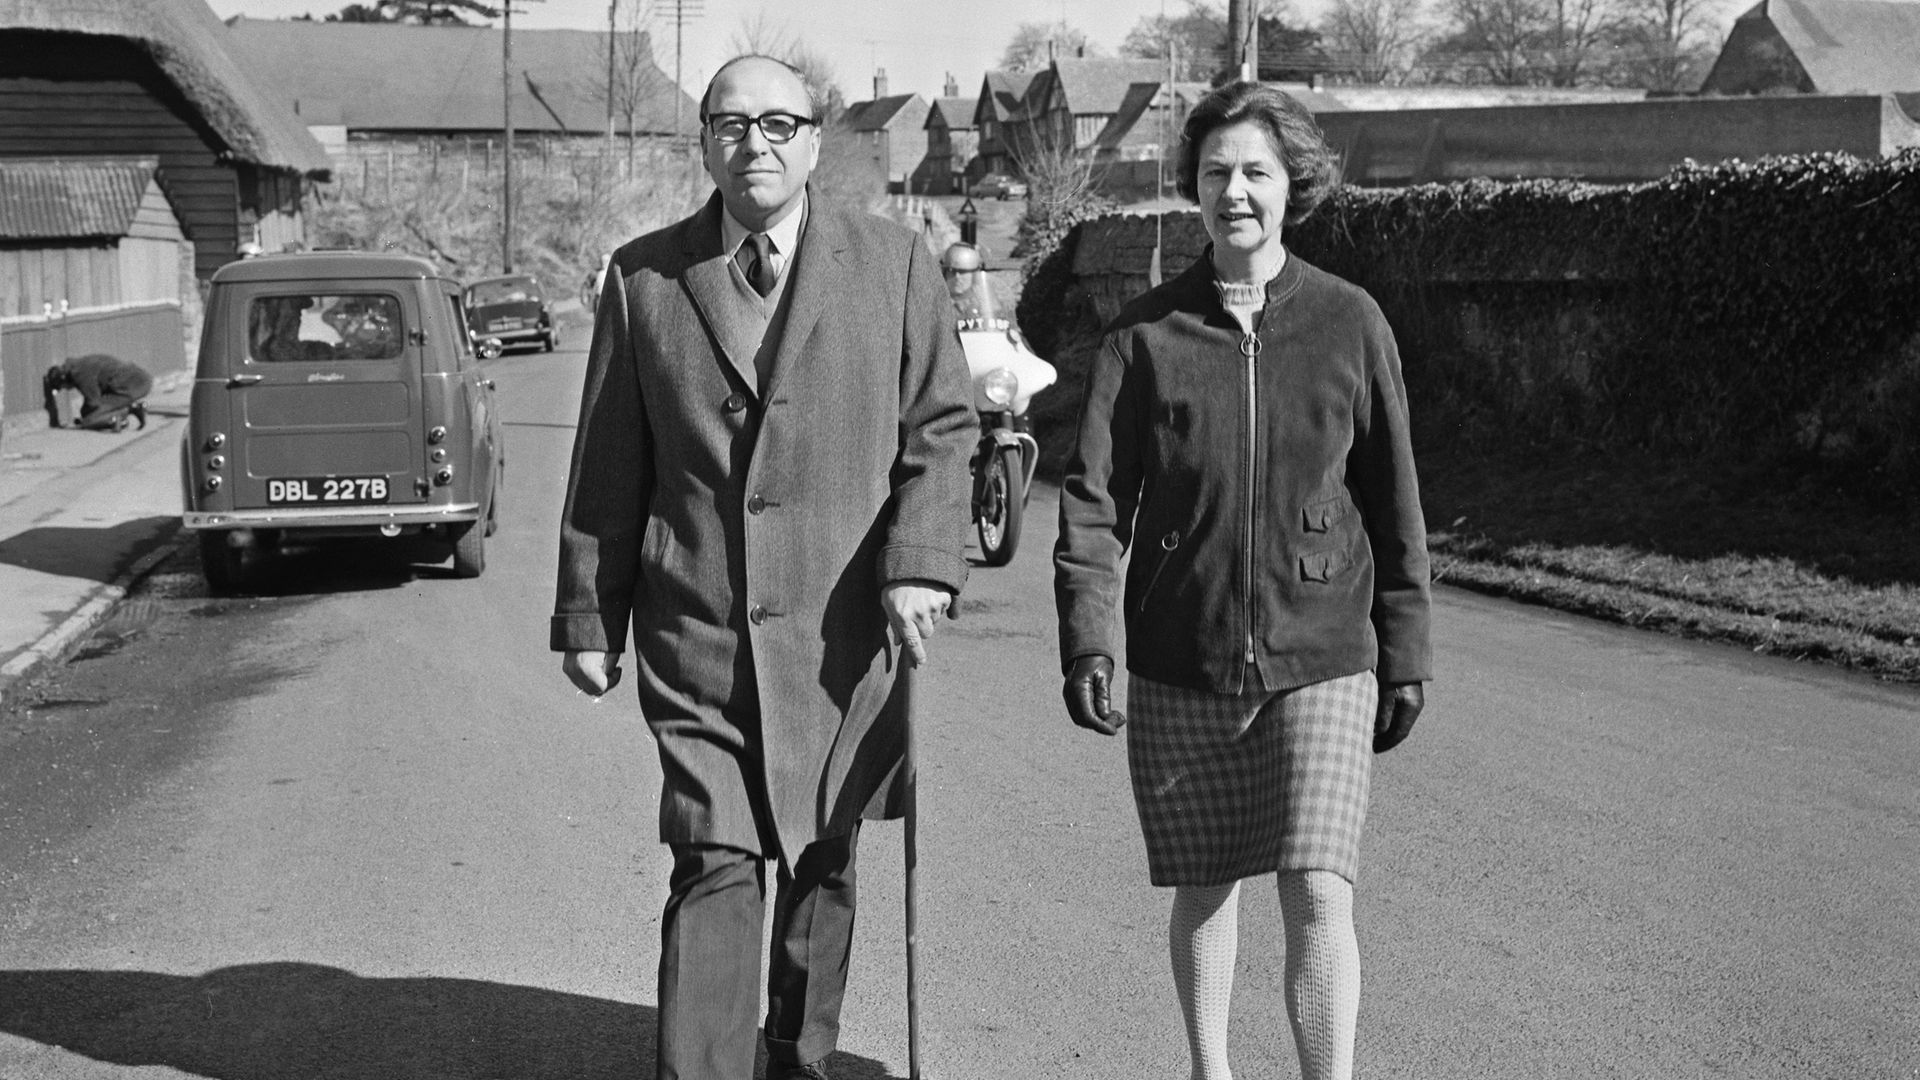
999	186
338	395
512	308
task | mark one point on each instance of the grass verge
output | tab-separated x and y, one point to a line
1778	559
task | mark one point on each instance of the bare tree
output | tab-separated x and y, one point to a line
1489	41
761	35
419	12
1198	39
633	64
1371	40
1036	43
1576	33
1666	42
1526	43
1061	189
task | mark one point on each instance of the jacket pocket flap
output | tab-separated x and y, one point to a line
1323	565
1320	516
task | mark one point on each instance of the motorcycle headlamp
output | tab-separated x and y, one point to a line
1000	386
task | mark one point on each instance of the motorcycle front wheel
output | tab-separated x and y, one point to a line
1002	503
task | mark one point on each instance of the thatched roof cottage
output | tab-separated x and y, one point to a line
157	79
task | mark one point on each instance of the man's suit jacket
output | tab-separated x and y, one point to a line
746	535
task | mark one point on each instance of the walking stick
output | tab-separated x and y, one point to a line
912	868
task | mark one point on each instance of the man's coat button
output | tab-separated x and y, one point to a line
756	504
757	614
734	402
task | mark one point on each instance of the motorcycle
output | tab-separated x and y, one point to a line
1006	375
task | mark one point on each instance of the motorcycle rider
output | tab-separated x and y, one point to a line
967	283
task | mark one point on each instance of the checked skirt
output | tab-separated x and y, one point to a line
1229	786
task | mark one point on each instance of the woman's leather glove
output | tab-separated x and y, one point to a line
1089	694
1400	705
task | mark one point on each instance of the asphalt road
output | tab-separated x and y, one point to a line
360	827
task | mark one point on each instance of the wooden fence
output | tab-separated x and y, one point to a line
149	334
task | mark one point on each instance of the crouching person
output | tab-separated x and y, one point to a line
111	391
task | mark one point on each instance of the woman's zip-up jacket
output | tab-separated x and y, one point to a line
1268	480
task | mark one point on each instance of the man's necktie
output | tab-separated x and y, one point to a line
756	262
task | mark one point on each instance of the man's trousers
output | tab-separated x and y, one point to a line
105	412
710	958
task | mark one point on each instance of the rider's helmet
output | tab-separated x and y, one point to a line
960	257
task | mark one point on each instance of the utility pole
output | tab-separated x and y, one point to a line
613	31
1243	22
682	11
506	159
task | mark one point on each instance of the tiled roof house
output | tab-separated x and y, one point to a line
892	130
1002	98
388	79
953	143
1061	109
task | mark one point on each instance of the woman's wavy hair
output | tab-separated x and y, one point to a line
1312	169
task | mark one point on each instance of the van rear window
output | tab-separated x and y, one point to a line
507	291
314	328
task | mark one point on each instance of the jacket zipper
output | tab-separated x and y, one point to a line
1250	348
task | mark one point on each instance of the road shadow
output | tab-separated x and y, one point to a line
95	554
344	566
295	1021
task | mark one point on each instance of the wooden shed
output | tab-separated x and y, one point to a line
92	259
78	233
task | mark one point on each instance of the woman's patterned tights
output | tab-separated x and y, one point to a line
1322	974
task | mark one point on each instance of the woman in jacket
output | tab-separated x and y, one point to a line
1247	421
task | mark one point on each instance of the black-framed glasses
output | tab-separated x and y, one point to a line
778	127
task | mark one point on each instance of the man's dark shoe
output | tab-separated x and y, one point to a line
139	412
815	1071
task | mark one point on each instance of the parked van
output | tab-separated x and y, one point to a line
338	395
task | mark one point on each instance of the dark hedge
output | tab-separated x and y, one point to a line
1739	307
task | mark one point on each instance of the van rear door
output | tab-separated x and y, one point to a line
327	402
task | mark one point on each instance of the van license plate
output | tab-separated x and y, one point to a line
327	490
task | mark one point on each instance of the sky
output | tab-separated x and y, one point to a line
917	42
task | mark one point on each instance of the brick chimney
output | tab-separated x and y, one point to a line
953	86
879	83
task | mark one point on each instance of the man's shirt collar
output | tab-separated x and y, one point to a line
785	233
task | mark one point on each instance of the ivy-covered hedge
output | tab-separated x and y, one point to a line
1739	307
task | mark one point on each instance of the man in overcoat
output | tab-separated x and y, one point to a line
770	485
